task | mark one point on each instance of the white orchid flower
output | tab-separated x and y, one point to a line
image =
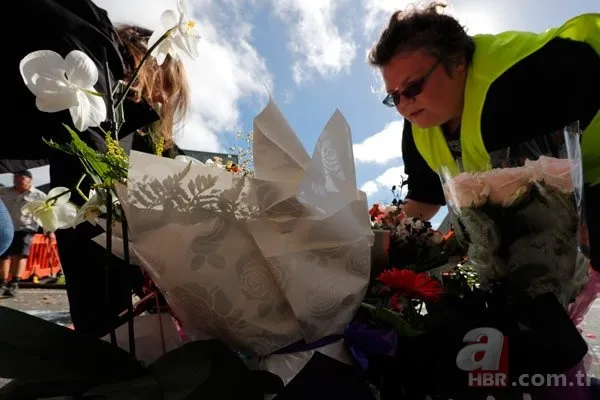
188	159
183	37
54	214
91	210
65	83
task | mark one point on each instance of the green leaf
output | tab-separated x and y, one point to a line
38	348
145	388
100	167
401	326
181	371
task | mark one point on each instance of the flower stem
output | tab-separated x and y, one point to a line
54	198
368	306
108	255
79	190
92	92
126	258
139	67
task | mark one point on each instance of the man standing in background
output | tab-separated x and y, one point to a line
14	259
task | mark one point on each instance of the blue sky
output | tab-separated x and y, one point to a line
311	55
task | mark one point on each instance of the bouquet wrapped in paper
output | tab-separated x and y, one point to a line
521	222
258	262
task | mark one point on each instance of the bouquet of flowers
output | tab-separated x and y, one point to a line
412	330
409	242
521	224
412	334
262	262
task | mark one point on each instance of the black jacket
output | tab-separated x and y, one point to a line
61	26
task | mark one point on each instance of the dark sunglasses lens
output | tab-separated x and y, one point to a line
390	100
414	89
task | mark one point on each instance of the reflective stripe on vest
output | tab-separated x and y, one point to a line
494	55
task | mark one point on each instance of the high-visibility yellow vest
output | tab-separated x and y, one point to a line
494	55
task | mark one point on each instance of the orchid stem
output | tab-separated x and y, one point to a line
82	195
127	259
79	190
107	266
139	67
54	198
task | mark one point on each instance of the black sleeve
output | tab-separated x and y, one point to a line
423	183
66	25
555	86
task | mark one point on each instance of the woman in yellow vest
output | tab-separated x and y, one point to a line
466	99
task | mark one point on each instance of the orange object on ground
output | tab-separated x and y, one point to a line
43	258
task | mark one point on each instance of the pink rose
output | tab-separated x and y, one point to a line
555	172
467	190
507	184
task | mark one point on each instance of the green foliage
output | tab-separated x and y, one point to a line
104	168
395	320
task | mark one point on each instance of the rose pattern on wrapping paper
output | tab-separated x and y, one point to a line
329	158
359	260
266	341
279	273
322	256
326	169
204	245
257	283
212	311
325	300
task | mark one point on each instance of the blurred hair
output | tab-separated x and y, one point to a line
164	87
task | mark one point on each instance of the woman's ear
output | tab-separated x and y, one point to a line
461	65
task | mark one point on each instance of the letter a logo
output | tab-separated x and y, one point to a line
483	352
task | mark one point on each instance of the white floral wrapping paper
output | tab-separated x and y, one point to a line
258	262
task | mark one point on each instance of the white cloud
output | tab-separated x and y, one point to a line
378	13
390	177
315	38
382	147
228	71
475	16
370	188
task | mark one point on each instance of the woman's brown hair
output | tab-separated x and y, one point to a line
164	87
424	28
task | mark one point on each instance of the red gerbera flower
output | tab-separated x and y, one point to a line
410	284
375	211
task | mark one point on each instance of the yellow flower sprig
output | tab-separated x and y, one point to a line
160	146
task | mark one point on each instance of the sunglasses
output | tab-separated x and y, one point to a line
411	91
